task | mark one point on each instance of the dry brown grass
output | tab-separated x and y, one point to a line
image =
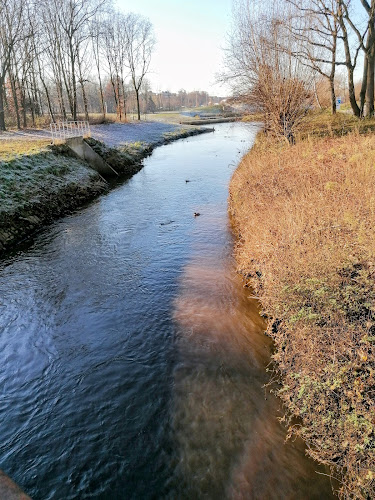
11	148
322	123
305	219
253	117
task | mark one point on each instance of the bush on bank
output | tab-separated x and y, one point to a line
305	220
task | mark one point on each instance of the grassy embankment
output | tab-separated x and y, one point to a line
39	182
305	220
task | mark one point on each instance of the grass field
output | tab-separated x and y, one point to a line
13	148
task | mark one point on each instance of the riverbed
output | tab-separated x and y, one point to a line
133	361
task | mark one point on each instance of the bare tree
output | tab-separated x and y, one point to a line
351	52
97	37
11	21
83	67
48	49
367	90
73	17
38	49
315	24
263	69
116	53
139	46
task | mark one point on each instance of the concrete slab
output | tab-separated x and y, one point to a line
85	152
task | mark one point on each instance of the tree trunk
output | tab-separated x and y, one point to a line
74	81
362	95
68	93
24	108
119	111
85	103
84	97
333	95
124	97
40	103
32	107
101	95
35	92
332	74
349	66
62	76
2	112
60	98
15	99
369	104
352	99
46	91
138	106
114	94
48	101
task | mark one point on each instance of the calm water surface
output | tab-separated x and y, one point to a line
132	360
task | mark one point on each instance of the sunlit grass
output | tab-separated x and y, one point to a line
253	117
12	148
323	123
305	216
319	123
168	117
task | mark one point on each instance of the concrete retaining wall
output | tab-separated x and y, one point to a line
85	152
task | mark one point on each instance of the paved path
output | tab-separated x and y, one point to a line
112	134
115	134
26	134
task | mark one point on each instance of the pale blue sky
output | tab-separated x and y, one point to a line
190	34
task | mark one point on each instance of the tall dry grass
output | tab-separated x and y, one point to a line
305	221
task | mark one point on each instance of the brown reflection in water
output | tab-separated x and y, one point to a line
230	443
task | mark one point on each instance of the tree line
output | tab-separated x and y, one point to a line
279	52
56	54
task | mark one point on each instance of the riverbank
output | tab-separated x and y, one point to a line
39	183
304	217
210	120
129	307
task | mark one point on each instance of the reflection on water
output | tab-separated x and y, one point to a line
229	440
132	362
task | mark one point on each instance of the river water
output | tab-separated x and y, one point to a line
132	359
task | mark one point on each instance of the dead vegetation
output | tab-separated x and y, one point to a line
323	124
305	220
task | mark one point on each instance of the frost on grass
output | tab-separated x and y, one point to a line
37	188
39	184
27	179
122	134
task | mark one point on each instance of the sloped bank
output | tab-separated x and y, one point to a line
304	218
37	188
